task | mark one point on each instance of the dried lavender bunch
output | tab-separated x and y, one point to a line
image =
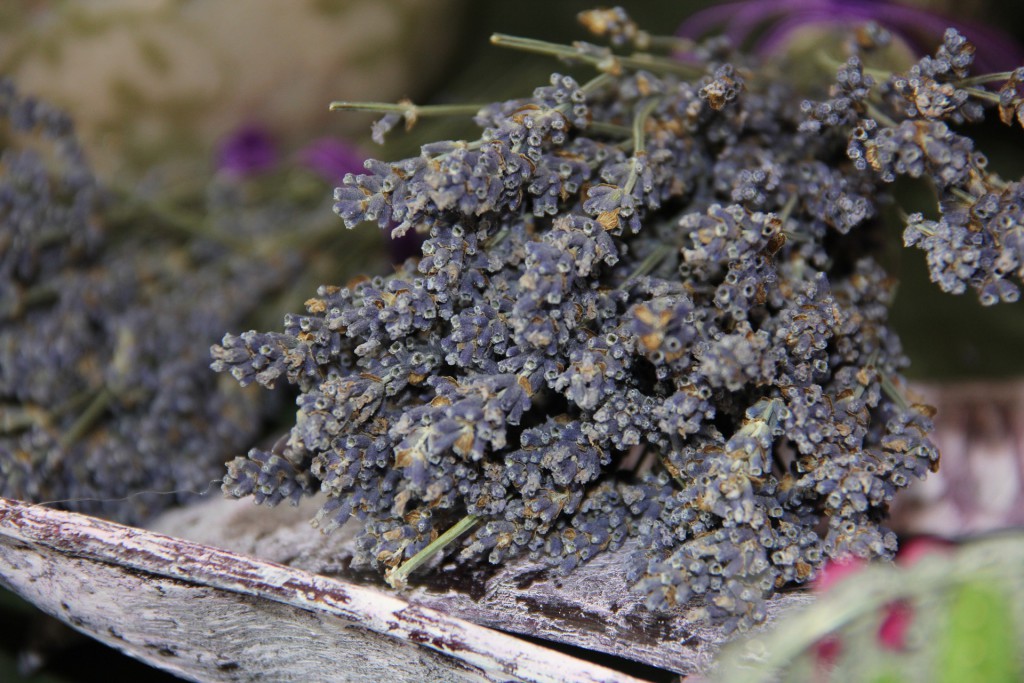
647	307
105	397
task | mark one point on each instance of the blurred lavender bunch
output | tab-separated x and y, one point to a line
105	397
646	310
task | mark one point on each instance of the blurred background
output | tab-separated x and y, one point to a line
170	96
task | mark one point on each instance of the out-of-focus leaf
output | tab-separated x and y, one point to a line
979	642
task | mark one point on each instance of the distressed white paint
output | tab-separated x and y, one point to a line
213	615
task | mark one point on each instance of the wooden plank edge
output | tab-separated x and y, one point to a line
494	652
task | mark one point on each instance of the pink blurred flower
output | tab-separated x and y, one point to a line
899	615
828	649
892	634
916	548
836	570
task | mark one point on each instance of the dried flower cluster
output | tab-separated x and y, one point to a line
105	394
646	307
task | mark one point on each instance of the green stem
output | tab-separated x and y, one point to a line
985	78
75	403
609	63
880	116
831	63
645	41
496	239
596	83
859	390
644	60
603	128
29	298
639	141
407	108
982	94
965	197
542	47
88	418
893	392
648	264
191	225
398	578
926	231
787	209
14	419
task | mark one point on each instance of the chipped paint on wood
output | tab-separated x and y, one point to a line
88	571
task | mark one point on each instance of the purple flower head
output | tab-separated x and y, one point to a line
249	150
766	26
332	158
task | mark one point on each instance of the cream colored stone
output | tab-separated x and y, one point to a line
157	79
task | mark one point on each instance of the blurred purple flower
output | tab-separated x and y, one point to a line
332	158
247	151
771	23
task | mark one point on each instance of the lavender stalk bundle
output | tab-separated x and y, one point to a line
647	307
106	402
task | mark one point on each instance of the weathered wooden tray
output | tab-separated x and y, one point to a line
214	615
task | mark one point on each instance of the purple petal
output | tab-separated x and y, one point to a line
774	40
248	151
739	17
332	158
743	24
921	28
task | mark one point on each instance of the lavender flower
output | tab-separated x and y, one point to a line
106	401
